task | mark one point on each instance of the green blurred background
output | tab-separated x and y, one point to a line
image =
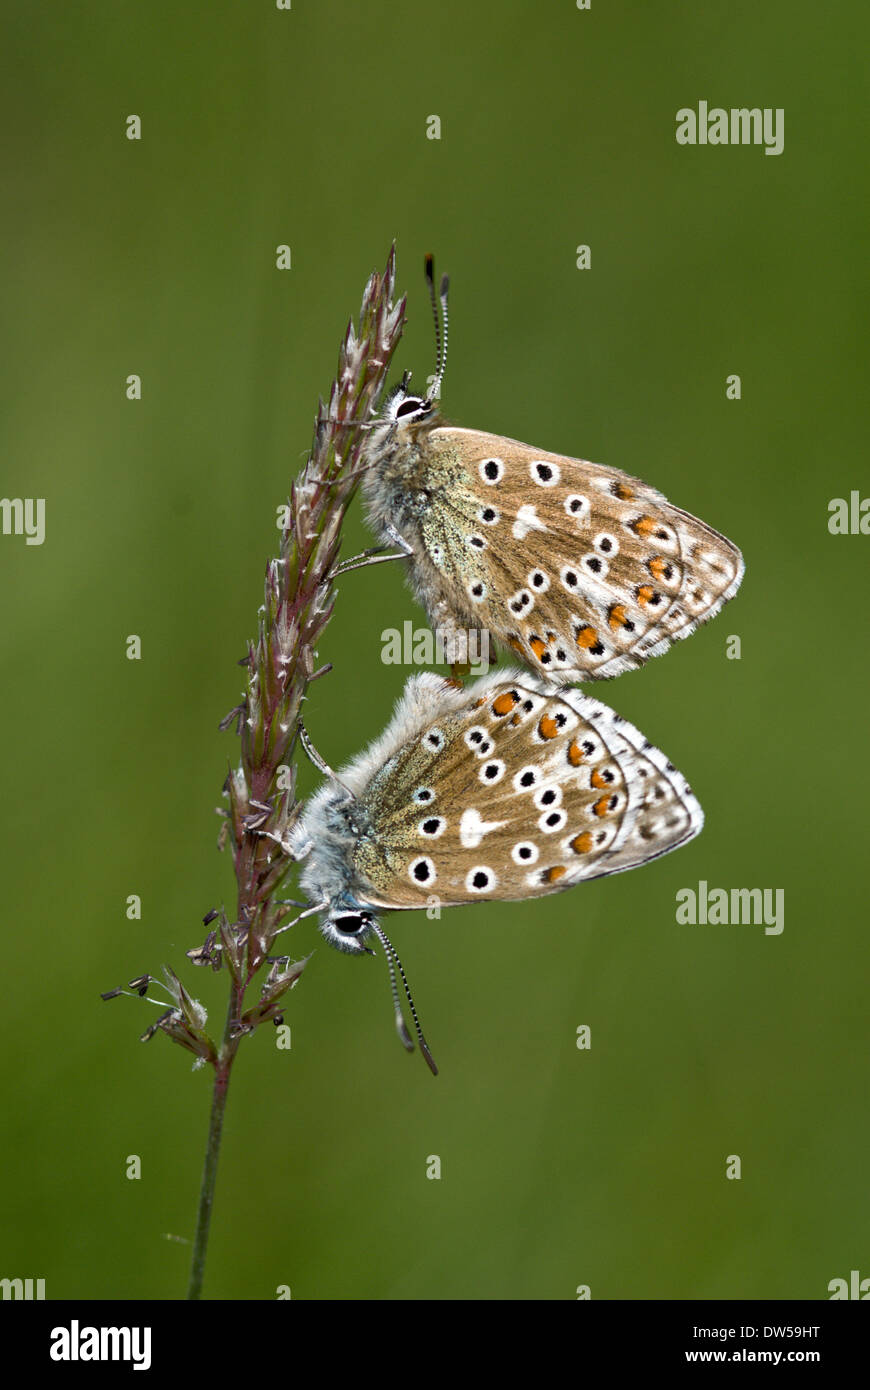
560	1167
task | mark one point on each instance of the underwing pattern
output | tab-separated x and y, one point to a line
512	788
583	571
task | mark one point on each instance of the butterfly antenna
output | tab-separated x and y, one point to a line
440	337
401	1028
430	281
442	295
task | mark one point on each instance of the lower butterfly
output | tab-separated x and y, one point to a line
509	789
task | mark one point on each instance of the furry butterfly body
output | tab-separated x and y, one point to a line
512	788
583	571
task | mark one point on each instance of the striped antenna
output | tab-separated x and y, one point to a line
393	962
440	334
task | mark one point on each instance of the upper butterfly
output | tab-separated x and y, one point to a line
583	571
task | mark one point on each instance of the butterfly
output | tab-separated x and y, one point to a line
511	788
583	571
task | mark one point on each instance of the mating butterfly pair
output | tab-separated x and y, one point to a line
518	786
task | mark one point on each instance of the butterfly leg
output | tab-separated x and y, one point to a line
312	754
320	763
368	557
375	555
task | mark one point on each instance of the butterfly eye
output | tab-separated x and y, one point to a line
352	923
412	405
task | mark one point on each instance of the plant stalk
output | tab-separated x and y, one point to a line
299	600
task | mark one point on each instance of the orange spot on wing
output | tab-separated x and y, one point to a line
623	491
548	728
516	720
644	594
657	566
554	874
517	646
598	781
582	844
538	646
575	754
644	526
617	617
601	806
587	637
503	704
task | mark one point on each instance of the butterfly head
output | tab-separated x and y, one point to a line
402	406
322	839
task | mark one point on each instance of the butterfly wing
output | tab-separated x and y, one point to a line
516	789
583	571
